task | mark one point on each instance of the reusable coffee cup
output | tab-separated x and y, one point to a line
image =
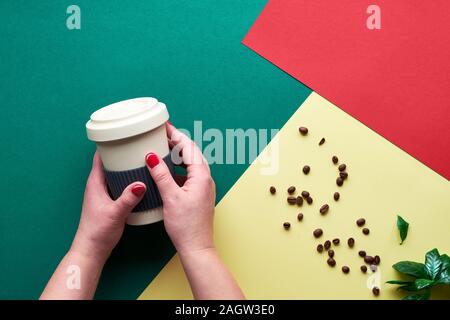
124	133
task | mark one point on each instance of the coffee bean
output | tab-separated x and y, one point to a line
327	244
309	200
320	248
362	253
300	216
322	141
336	241
335	159
299	201
343	175
368	259
363	269
366	231
291	190
373	268
306	169
376	291
336	196
339	181
331	262
331	253
376	260
286	225
291	200
345	269
305	194
272	190
324	209
317	233
360	222
351	242
303	130
342	167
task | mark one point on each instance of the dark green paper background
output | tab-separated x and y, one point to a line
188	54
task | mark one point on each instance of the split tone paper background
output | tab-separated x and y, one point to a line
395	79
271	263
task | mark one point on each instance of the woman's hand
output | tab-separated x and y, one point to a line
188	208
101	226
103	219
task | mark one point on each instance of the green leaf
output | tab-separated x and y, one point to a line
411	268
423	296
402	227
408	287
445	259
444	277
399	282
423	283
432	263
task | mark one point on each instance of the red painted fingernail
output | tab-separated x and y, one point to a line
152	160
138	190
168	121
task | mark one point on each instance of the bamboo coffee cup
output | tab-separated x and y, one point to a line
124	133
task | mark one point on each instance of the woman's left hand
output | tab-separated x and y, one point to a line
103	219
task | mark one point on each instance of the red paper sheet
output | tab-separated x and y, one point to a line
396	80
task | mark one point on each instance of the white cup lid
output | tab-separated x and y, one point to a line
126	119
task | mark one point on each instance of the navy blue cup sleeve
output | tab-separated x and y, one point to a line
118	180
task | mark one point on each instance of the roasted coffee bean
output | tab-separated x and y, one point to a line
303	130
292	200
345	269
331	253
317	233
320	248
335	159
376	260
306	169
360	222
291	190
366	231
343	175
336	241
362	253
305	194
363	269
299	201
309	200
286	225
376	291
331	262
322	141
336	196
368	259
339	181
351	242
273	190
373	268
300	216
327	244
324	209
342	167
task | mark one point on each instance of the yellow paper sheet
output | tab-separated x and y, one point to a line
271	263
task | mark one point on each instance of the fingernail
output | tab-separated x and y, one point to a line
152	160
138	190
168	121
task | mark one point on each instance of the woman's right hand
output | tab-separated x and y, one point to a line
188	203
188	209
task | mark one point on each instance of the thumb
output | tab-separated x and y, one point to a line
161	175
130	197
